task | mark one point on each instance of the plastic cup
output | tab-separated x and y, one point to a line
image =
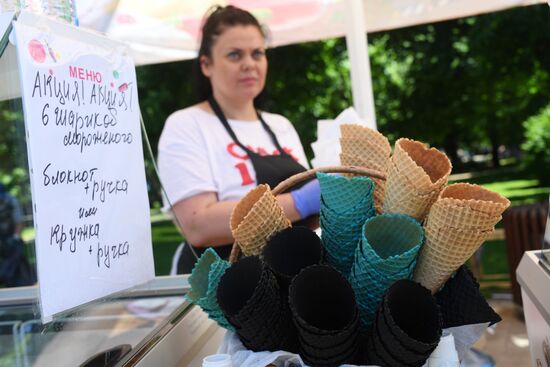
217	360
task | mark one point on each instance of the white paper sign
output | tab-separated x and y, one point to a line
91	210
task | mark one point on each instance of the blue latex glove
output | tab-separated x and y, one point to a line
307	199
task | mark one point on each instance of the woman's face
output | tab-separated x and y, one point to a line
237	67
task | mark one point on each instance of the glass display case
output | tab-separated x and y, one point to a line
151	325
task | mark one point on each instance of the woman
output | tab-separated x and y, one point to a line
211	154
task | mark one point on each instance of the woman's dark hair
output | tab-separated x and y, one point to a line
217	19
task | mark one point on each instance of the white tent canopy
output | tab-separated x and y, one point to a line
167	30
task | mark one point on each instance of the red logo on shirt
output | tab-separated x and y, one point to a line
235	151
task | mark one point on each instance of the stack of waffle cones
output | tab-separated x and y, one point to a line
204	280
458	223
256	218
416	176
368	148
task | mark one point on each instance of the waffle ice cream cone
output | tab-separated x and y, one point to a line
355	160
475	197
444	251
457	224
366	150
354	131
425	168
256	218
400	196
455	214
379	185
343	194
416	175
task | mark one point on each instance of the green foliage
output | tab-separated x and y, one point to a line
309	82
466	83
13	151
162	89
537	145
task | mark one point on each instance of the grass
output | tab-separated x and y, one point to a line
166	239
512	183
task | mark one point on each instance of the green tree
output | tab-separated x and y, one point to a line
466	82
537	145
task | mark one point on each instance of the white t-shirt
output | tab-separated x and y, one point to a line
196	154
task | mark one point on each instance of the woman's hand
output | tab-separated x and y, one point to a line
307	199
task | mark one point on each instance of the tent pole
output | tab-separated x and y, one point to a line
357	44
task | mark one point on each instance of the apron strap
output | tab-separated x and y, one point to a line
219	113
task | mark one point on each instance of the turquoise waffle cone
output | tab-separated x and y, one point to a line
342	194
339	256
384	268
375	273
391	239
216	271
369	286
362	209
367	314
204	280
199	275
339	249
336	222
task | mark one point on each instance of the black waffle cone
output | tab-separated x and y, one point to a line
322	285
330	352
462	303
417	325
388	357
394	347
371	356
238	285
259	328
336	342
264	297
252	302
290	251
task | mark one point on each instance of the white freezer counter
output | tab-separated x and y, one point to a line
533	274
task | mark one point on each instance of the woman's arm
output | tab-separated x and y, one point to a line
205	220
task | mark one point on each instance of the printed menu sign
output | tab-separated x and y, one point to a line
91	210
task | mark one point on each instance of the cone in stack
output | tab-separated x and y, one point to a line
368	148
250	298
386	253
461	302
416	176
407	327
204	281
325	315
290	251
458	223
255	218
346	203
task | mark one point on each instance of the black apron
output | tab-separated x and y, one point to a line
270	169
